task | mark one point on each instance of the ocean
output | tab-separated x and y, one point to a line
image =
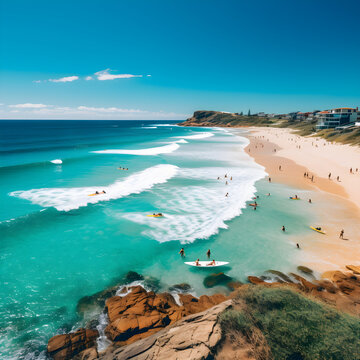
58	244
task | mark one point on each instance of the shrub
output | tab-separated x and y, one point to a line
293	324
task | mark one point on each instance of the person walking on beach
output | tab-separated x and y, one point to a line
338	178
329	176
297	245
283	228
312	178
269	179
182	252
280	167
341	236
208	253
309	201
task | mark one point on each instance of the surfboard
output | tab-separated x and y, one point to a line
206	263
319	231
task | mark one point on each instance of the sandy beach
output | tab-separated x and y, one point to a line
287	157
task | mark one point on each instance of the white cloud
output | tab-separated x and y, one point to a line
42	111
89	78
148	75
37	81
105	75
65	79
109	109
29	106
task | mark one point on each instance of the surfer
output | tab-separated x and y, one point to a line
197	262
182	252
318	228
211	263
208	253
268	194
227	194
96	192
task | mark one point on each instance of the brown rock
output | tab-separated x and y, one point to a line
66	346
255	280
88	354
355	269
195	337
142	312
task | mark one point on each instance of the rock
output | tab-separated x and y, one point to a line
94	303
183	287
255	280
355	269
283	277
66	346
141	313
306	285
88	354
305	270
132	276
195	337
216	279
233	285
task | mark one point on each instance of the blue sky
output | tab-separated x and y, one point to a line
164	59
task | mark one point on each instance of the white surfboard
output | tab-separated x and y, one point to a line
207	263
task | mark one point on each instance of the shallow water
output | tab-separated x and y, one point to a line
58	244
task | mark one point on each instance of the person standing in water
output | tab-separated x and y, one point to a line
182	252
283	228
208	253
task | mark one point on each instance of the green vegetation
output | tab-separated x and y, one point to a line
294	326
302	128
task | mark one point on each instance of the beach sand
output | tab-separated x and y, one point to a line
337	203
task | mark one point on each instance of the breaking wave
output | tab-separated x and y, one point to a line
166	149
65	199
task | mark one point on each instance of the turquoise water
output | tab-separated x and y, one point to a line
58	244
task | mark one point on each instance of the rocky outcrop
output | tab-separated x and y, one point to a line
141	313
195	337
67	346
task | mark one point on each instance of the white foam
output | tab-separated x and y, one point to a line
197	136
182	141
166	149
149	127
72	198
197	212
56	161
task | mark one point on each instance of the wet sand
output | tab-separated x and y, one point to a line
336	203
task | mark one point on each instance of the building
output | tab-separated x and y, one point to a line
336	117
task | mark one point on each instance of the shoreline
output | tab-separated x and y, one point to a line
274	147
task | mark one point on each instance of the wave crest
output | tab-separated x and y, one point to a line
166	149
65	199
